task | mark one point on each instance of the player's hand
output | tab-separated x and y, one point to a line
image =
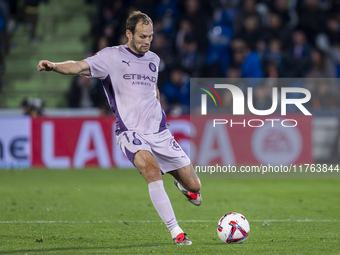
45	65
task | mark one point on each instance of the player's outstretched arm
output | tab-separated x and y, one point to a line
67	67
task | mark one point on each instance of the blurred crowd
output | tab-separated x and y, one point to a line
212	38
13	12
235	39
7	13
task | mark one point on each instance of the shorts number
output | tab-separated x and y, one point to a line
127	138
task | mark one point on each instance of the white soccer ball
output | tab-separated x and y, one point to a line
233	228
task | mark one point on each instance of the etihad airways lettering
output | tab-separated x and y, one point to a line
139	77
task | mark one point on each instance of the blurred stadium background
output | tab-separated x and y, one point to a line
194	38
52	121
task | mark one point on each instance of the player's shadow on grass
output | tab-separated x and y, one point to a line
112	248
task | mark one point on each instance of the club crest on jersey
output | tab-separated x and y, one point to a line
152	67
174	145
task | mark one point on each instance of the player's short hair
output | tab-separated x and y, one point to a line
136	17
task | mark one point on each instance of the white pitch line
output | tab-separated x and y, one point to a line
146	221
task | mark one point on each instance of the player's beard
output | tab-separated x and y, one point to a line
134	47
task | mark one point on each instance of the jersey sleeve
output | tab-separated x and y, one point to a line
99	63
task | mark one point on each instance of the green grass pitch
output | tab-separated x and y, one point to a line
109	212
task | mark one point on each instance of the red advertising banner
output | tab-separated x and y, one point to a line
236	140
83	142
72	142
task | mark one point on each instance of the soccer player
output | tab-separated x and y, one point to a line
129	75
